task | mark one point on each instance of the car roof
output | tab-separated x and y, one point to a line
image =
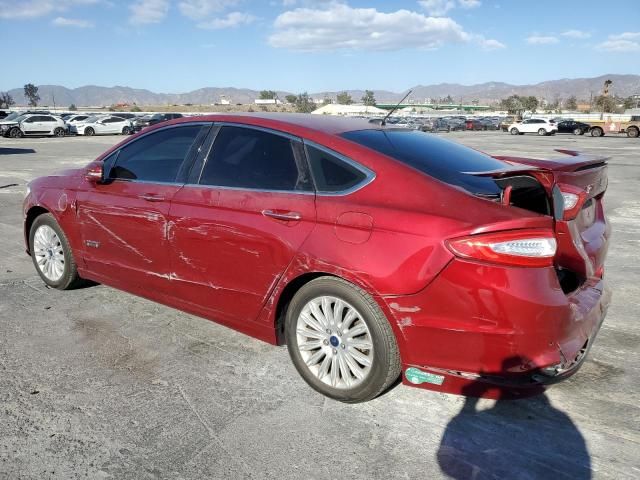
328	124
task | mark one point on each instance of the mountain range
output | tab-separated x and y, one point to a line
490	92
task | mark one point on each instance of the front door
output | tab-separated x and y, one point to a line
124	220
235	232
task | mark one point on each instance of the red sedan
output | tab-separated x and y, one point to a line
371	251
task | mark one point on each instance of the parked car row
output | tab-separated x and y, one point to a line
44	123
598	128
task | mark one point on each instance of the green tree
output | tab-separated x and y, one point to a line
304	104
571	103
291	98
6	100
72	107
629	102
530	103
31	94
343	98
135	108
605	103
368	98
513	105
267	95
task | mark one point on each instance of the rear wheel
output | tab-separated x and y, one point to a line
340	341
514	131
59	132
577	131
633	132
89	131
51	254
126	131
542	132
597	132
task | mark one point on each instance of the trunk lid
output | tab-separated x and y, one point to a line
582	232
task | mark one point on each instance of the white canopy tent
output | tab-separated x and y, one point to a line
349	110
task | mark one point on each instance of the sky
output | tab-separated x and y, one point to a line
175	46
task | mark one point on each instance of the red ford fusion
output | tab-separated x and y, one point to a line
371	252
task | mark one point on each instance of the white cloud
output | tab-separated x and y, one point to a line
341	27
199	9
38	8
71	22
623	42
490	44
579	34
231	20
541	40
440	8
148	11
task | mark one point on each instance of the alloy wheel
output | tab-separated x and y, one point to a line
334	342
49	253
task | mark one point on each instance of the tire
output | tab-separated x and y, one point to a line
597	132
542	132
16	133
59	132
328	351
633	132
577	131
89	132
126	131
514	131
51	254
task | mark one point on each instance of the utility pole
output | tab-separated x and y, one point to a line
605	94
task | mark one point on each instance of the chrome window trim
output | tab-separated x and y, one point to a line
370	175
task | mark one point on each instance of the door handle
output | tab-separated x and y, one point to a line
287	216
151	198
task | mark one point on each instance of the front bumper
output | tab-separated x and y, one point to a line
494	331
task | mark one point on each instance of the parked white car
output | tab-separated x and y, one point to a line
103	125
34	124
540	126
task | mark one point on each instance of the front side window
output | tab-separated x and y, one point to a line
156	157
255	159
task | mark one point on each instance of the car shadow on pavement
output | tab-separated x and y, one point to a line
513	439
15	151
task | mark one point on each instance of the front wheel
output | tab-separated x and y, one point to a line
514	131
633	132
126	131
51	254
16	133
89	132
59	132
340	341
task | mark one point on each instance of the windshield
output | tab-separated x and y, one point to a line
91	119
442	159
12	116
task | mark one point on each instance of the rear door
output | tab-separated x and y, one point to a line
124	222
237	227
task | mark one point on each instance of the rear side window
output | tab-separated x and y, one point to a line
254	159
156	157
330	173
442	159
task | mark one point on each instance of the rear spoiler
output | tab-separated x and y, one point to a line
573	162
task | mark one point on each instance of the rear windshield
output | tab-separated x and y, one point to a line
442	159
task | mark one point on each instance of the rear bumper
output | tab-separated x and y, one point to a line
492	331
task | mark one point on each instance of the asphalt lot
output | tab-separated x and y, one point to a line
97	383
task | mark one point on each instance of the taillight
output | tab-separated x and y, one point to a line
573	199
524	248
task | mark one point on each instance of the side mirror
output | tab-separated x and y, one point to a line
94	173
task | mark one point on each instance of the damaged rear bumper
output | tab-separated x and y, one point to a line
496	332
